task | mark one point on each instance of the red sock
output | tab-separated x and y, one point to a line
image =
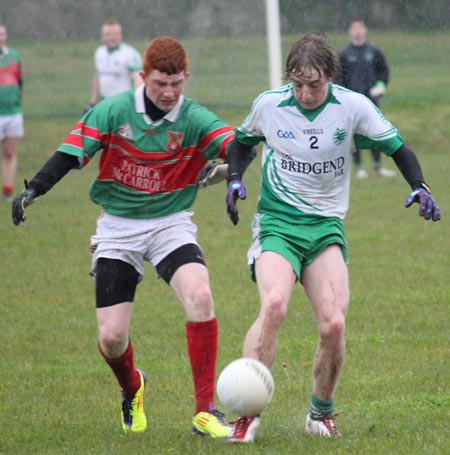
123	368
7	190
202	348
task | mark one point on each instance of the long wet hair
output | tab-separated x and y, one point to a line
312	50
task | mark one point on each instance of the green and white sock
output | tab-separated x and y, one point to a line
318	409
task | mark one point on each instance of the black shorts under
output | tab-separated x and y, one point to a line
116	281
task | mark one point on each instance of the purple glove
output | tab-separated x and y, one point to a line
236	190
427	205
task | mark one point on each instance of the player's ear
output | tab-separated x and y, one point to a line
142	74
187	74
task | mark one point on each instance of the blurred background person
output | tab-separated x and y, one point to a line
364	70
11	117
117	65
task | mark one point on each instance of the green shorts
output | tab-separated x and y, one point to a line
299	243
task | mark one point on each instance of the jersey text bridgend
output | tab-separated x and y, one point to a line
324	167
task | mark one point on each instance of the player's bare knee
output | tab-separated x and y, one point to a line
9	153
203	295
113	341
200	305
275	309
332	331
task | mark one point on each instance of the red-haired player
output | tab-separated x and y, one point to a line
153	143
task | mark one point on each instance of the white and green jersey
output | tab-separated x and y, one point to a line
306	160
147	169
115	67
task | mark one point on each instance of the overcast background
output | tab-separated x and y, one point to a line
145	19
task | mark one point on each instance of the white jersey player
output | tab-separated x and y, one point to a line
306	154
117	65
309	129
115	68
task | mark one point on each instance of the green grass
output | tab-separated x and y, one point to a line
57	396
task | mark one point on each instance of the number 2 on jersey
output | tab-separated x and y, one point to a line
313	142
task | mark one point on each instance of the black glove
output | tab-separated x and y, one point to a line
20	203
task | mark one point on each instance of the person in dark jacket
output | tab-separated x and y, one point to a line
364	70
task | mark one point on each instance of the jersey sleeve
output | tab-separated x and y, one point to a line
88	135
250	132
373	131
214	134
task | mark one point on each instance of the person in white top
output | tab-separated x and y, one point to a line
309	129
117	65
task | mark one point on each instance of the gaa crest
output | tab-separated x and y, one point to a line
174	143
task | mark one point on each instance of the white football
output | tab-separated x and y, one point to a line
245	387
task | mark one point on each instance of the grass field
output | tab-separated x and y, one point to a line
57	396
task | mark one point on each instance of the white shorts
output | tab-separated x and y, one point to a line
11	126
136	241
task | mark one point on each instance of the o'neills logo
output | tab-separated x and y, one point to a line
321	167
174	143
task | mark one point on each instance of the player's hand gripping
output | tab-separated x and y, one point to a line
427	205
20	203
212	173
236	190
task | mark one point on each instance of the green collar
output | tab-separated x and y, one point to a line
111	50
314	113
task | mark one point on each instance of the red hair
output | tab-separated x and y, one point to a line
165	54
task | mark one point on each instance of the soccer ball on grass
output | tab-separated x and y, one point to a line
245	387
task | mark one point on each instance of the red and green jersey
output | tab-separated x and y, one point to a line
10	76
147	169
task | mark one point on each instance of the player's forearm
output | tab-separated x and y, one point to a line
409	166
239	156
55	168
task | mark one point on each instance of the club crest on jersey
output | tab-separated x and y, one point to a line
125	131
339	136
174	143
